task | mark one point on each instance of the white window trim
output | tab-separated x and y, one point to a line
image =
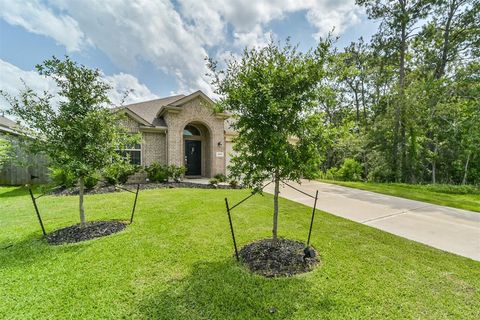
141	152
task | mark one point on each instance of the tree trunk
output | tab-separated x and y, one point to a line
439	72
275	207
365	121
365	164
434	164
464	180
357	106
440	68
81	186
401	104
404	163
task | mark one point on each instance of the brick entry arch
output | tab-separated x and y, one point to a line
197	149
199	113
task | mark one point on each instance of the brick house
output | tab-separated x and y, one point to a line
180	130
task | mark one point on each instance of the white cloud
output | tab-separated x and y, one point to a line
249	20
36	18
254	38
153	31
335	15
11	82
173	39
122	83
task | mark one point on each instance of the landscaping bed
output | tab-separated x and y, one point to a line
276	258
91	230
101	189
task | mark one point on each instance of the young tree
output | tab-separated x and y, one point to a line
80	135
271	92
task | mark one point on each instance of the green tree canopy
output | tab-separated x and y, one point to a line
272	93
79	135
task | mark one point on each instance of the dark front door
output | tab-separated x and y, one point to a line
193	157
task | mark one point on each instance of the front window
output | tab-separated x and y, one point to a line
191	131
133	152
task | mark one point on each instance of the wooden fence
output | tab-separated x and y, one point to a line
25	169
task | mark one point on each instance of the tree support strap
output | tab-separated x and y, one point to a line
252	194
313	210
313	217
309	195
231	228
134	202
34	201
36	210
230	216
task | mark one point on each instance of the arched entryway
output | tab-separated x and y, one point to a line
196	142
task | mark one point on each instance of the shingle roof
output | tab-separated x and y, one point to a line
148	110
7	125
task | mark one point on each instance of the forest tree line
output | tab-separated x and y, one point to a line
405	106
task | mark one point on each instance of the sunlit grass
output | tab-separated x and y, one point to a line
176	262
462	197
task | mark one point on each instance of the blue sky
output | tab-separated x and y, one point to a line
157	48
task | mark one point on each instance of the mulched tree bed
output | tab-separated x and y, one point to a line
76	233
278	258
109	189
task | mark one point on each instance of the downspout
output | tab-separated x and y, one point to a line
167	142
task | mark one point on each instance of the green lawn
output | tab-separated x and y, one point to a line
176	262
461	197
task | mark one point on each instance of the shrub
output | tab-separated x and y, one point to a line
380	174
91	181
220	177
176	172
213	182
118	172
350	170
61	177
331	174
452	189
233	183
157	172
5	151
379	169
314	174
66	179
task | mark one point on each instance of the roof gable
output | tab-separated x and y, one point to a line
197	94
136	117
148	110
176	106
9	126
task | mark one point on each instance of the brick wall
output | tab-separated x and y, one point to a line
196	111
154	144
130	124
154	148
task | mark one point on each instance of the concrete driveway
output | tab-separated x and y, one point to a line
448	229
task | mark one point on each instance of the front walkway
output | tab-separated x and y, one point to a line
449	229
